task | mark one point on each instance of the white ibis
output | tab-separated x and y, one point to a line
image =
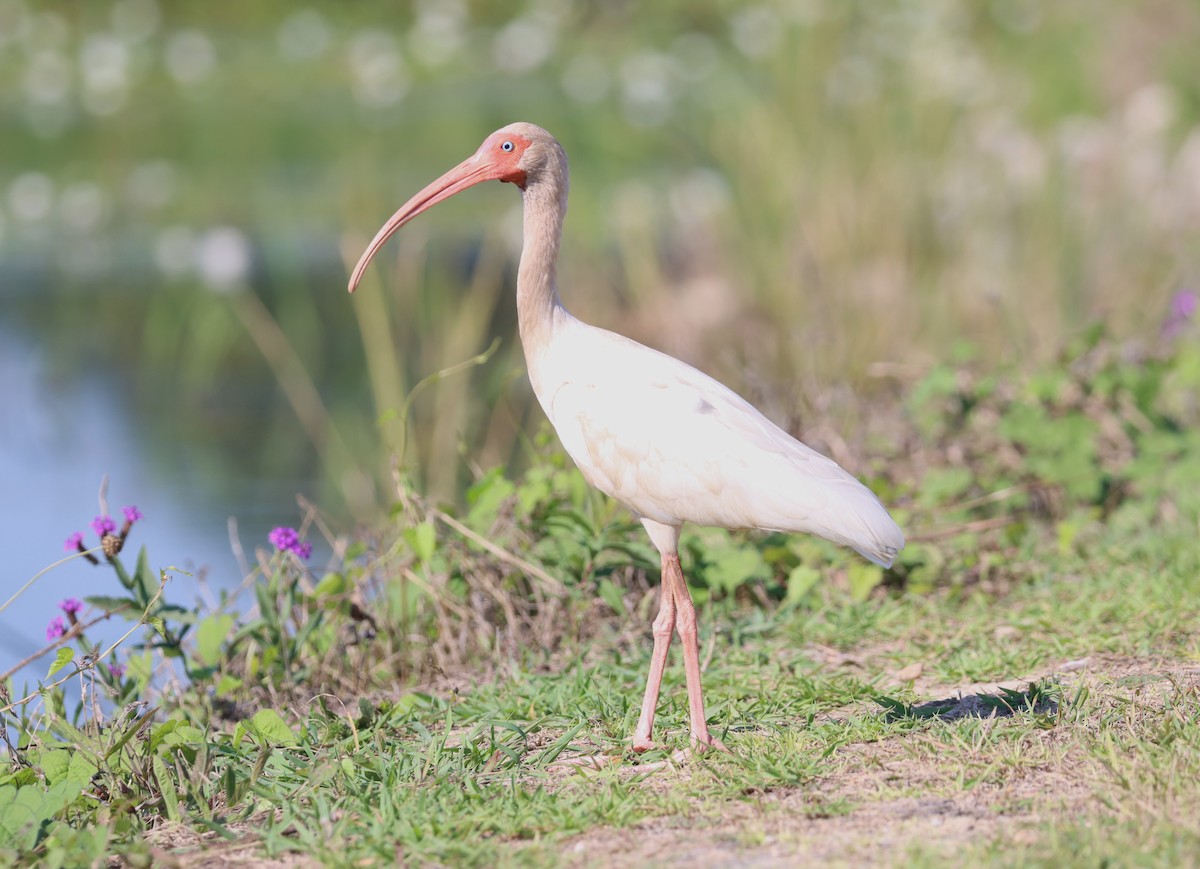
667	441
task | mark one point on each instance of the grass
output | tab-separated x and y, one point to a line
460	775
1026	674
1077	741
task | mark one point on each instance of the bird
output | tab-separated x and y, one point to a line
670	443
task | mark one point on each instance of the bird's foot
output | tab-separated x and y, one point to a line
702	742
642	744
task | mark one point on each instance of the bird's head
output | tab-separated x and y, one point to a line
520	154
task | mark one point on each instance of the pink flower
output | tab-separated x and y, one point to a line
56	629
71	606
288	540
132	514
74	543
103	525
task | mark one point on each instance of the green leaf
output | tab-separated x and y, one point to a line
166	786
612	595
111	604
55	764
81	769
330	584
210	635
486	498
65	656
863	579
735	566
226	684
271	728
422	539
146	581
801	581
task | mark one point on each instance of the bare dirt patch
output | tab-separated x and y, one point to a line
884	799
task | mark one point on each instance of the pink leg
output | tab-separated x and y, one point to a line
685	624
664	626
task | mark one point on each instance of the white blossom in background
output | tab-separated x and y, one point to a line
303	35
14	21
86	256
152	184
47	79
649	87
806	13
31	197
43	30
191	57
853	81
82	206
524	44
136	20
439	31
696	55
104	67
175	251
586	79
380	76
756	31
698	197
224	258
1020	155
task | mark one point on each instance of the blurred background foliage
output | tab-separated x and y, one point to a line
802	197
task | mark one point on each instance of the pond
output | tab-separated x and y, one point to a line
58	439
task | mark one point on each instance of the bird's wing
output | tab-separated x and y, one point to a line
675	446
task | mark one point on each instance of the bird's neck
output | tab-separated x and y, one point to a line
538	302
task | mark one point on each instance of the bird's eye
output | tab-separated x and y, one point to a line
507	146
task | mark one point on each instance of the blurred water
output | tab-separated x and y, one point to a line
57	439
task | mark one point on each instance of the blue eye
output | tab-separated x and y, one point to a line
507	146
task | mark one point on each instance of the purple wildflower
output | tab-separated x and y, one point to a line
117	671
287	540
284	538
1182	309
132	514
56	628
71	606
103	525
74	543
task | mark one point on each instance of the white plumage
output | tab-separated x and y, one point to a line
667	441
674	445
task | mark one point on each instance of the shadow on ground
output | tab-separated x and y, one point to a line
1038	699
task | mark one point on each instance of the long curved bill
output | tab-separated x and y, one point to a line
466	174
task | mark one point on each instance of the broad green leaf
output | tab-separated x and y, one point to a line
147	582
210	635
612	595
330	584
65	656
55	764
157	623
166	786
863	579
422	539
81	769
226	684
271	728
734	566
111	604
801	581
